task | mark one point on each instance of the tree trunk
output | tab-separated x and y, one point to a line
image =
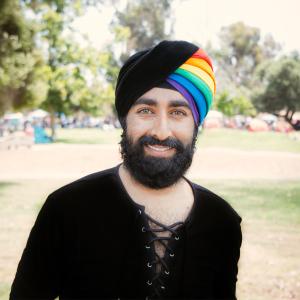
52	125
289	116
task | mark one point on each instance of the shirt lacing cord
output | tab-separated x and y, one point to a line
157	282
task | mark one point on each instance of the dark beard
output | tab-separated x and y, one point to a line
156	172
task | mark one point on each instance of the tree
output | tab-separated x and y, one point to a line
242	49
139	25
231	106
278	86
146	22
71	70
20	63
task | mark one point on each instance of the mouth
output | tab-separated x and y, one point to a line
159	150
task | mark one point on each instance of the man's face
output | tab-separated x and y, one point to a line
158	142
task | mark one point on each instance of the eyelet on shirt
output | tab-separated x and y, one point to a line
143	229
140	211
162	287
149	265
172	254
177	238
147	247
167	272
149	282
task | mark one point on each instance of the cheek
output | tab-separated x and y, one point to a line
185	130
135	126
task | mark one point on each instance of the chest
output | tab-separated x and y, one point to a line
167	213
171	211
167	210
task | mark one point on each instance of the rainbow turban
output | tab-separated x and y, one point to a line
181	64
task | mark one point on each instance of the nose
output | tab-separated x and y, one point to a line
161	128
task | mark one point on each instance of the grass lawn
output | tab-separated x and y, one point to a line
269	265
246	140
228	138
270	201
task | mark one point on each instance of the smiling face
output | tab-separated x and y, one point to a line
158	141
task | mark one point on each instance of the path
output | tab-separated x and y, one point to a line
60	161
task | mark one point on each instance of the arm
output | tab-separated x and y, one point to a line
231	240
37	275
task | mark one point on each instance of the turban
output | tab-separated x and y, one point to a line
181	64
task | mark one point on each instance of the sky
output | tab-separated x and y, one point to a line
201	20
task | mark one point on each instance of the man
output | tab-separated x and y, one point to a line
141	229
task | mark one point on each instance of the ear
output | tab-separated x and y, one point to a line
196	129
122	121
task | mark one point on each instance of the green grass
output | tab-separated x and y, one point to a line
246	140
3	187
227	138
4	291
271	201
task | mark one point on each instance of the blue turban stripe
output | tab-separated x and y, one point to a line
197	95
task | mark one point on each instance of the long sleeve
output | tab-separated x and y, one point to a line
38	273
231	240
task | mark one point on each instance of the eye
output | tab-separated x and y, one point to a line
144	111
179	112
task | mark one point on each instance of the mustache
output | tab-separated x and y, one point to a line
169	142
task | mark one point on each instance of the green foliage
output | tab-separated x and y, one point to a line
146	24
18	57
74	83
71	72
110	66
231	106
242	49
41	64
141	24
278	86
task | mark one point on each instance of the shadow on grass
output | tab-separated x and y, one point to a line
6	184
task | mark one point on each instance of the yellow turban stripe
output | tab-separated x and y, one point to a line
201	74
202	64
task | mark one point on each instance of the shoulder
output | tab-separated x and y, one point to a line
94	180
217	219
84	190
215	205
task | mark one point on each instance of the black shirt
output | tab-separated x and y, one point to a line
88	243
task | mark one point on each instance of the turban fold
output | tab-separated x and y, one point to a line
182	64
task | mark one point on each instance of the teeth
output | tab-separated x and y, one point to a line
159	148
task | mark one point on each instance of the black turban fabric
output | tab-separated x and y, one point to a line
147	69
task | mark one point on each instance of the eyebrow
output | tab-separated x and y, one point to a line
151	102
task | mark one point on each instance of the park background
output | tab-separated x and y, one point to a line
58	65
